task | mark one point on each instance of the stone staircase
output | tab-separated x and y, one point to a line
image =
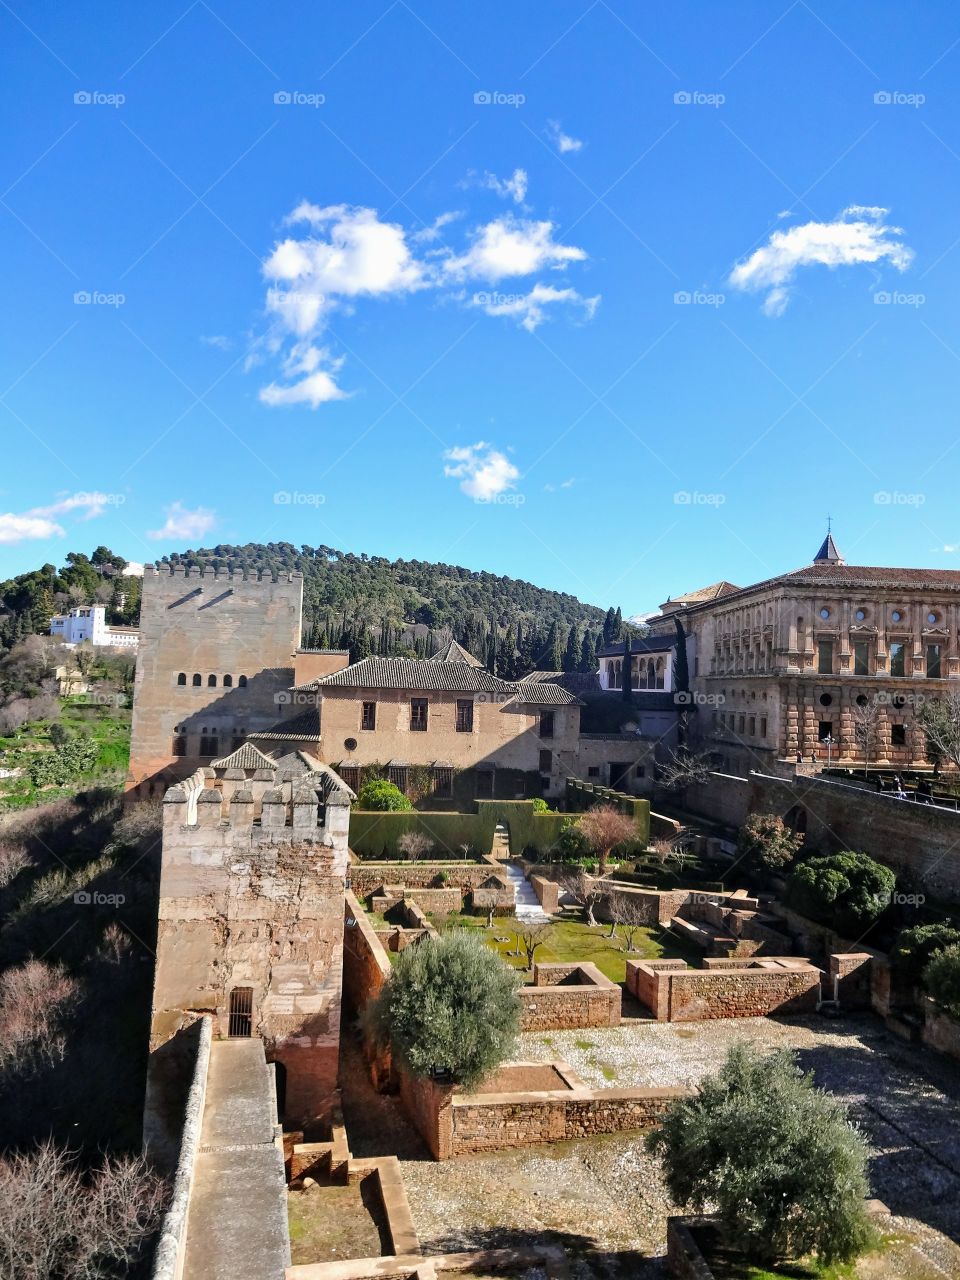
526	904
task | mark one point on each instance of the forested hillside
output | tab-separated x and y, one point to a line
367	604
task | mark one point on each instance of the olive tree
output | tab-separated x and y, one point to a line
450	1009
941	978
777	1160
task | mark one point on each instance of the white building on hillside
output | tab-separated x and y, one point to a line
89	624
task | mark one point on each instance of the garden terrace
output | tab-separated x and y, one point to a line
724	988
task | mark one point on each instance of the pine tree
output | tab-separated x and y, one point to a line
588	654
618	625
571	654
553	655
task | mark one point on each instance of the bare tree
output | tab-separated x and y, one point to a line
684	769
866	727
532	934
585	891
55	1224
13	860
604	828
628	913
940	720
414	844
34	1000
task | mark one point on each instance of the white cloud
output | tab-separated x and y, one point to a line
218	340
483	471
134	569
529	308
42	522
315	389
859	235
428	234
511	246
562	141
513	188
182	524
27	527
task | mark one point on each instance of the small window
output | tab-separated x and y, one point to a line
350	744
932	618
825	731
898	659
546	761
397	774
740	723
443	782
593	771
228	682
825	657
182	678
208	745
933	662
897	616
861	658
763	726
241	1012
242	682
484	779
368	716
546	724
826	699
211	682
179	746
860	615
418	715
197	680
350	773
898	735
641	771
752	729
464	715
824	613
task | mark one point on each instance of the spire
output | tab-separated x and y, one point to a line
828	553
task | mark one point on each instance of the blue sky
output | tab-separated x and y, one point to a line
621	299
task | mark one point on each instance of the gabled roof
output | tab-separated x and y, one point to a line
245	757
453	652
418	674
544	694
302	728
700	596
648	644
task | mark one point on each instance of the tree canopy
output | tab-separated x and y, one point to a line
847	891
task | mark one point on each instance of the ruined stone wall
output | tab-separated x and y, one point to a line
208	625
365	964
548	893
940	1031
367	878
679	994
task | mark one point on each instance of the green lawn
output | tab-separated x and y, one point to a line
108	725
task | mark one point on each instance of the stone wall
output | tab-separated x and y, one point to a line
940	1031
567	996
433	901
368	878
366	966
548	893
675	993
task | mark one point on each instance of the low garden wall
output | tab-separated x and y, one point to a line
455	1124
564	997
433	901
365	964
548	893
724	989
940	1031
367	878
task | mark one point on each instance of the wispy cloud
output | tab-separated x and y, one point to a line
562	141
530	308
218	340
182	524
483	471
510	246
858	236
44	522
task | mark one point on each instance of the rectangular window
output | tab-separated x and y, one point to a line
861	658
546	724
368	716
208	745
898	659
397	774
898	735
443	782
241	1012
740	723
418	715
484	784
464	715
179	746
933	662
350	773
753	727
825	730
641	771
546	761
825	657
763	726
593	771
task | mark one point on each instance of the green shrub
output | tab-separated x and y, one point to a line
847	891
571	844
916	947
766	844
777	1160
449	1010
382	797
540	805
941	978
58	767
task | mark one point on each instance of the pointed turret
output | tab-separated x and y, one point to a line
828	553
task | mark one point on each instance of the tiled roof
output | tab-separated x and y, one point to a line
647	644
852	576
302	728
245	757
415	674
544	694
702	594
453	652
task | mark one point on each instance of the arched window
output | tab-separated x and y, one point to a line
182	678
211	682
660	672
617	669
651	675
197	679
228	682
242	682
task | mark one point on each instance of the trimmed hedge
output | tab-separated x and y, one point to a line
375	835
584	795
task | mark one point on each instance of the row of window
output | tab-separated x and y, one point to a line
863	654
419	717
209	744
738	722
643	675
226	681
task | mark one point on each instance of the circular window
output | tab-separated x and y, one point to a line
899	701
896	615
825	699
824	613
350	744
862	699
861	615
931	618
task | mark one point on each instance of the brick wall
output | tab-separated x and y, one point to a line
674	993
369	878
592	1000
366	966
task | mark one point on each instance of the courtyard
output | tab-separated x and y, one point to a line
603	1200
